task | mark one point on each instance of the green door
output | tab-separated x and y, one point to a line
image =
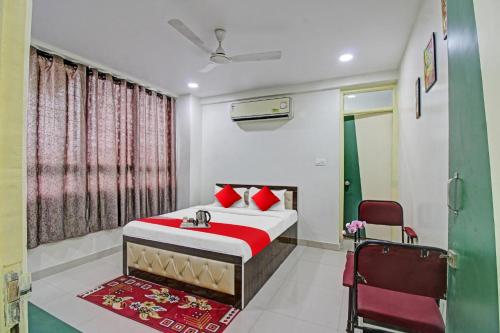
352	179
368	141
472	286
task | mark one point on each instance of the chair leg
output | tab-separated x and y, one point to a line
350	323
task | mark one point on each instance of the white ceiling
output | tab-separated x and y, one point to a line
134	37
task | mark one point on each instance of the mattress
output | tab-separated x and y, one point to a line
272	222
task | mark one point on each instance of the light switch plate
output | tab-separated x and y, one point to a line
12	291
320	161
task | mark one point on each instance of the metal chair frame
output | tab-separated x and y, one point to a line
353	318
357	235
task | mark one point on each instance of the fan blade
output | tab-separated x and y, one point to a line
208	67
189	34
273	55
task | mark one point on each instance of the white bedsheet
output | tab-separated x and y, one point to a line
273	222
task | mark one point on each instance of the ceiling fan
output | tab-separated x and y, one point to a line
219	56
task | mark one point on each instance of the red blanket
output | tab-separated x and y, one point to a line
257	239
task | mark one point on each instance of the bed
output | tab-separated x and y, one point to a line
216	267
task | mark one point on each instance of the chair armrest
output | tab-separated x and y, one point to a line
411	234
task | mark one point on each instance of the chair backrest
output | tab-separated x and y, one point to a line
381	212
408	268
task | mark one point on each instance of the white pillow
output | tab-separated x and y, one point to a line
238	204
279	206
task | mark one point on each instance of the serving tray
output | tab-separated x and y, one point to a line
189	225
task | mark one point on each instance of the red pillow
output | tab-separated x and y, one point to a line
265	198
227	196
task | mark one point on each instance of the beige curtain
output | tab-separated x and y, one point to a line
125	108
155	161
167	164
101	151
55	151
102	180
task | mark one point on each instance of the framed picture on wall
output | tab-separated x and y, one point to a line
444	14
418	99
430	70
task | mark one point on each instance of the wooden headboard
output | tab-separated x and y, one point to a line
292	189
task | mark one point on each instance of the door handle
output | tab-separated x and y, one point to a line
347	184
455	194
451	258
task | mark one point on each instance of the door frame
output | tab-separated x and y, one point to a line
487	28
395	143
15	19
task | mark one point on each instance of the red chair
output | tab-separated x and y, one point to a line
389	213
398	286
379	212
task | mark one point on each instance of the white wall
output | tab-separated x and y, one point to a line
57	253
183	145
423	151
188	136
280	153
195	152
378	78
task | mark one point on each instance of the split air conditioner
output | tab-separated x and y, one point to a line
262	109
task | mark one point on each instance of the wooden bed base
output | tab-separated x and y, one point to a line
249	277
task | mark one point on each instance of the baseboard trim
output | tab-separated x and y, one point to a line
43	273
320	245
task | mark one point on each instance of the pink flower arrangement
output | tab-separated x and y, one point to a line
354	226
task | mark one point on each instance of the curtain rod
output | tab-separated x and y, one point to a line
100	74
49	52
51	56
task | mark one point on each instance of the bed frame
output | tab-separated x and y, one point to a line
217	276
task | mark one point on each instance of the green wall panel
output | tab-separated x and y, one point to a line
472	287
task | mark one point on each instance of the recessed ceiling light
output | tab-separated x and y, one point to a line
346	57
193	85
351	96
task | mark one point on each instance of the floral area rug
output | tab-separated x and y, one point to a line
164	309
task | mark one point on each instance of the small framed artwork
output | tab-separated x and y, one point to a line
444	14
418	99
430	70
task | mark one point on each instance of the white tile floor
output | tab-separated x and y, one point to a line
304	295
